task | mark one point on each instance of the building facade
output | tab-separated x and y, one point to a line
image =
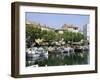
43	27
65	27
71	28
86	32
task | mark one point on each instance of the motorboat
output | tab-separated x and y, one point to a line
68	51
36	53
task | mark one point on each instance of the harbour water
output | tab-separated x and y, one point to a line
57	59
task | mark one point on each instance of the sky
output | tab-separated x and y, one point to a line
57	20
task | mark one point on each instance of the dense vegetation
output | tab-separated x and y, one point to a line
35	32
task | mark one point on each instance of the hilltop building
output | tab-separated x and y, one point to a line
43	27
65	27
70	27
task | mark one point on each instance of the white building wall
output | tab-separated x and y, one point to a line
86	31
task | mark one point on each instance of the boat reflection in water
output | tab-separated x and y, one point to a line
57	56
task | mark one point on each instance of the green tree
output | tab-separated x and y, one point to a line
72	36
48	35
32	33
